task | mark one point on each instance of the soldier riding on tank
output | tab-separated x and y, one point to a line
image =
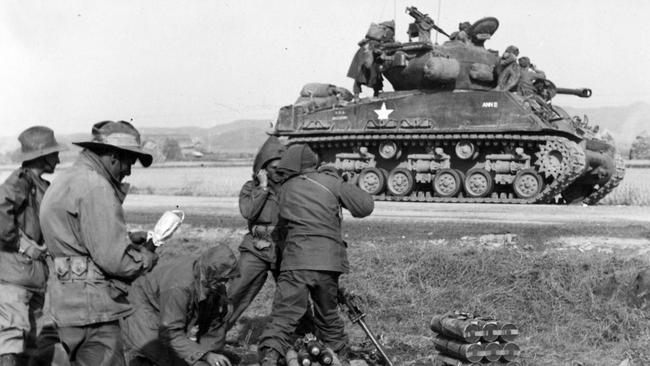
460	126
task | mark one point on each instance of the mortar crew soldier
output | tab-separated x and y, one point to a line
507	69
258	204
23	270
93	258
314	255
529	74
169	301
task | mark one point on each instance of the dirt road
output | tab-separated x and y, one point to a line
430	212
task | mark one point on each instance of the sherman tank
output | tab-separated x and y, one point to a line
463	124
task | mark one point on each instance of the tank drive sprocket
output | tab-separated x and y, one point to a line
601	192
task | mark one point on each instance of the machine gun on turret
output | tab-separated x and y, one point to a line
423	24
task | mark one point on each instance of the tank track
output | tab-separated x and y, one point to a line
595	197
572	169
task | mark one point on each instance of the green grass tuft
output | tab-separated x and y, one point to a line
573	307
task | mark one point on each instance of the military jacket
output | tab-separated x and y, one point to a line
82	217
20	199
167	303
310	205
526	79
261	209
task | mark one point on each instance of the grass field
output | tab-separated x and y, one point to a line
226	181
574	306
190	181
633	190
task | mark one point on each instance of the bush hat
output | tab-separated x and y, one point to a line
37	141
120	135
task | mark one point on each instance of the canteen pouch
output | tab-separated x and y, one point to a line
62	268
78	268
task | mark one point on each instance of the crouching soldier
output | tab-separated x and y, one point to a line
23	271
94	260
170	301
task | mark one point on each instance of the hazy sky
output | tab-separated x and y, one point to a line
68	64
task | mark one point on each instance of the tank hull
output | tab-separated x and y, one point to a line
460	146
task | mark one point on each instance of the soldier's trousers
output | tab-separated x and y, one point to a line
291	302
253	272
94	345
20	309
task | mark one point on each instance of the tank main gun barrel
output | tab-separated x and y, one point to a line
581	92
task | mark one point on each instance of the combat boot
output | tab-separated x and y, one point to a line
341	357
270	357
9	359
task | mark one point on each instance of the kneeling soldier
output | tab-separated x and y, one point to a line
170	301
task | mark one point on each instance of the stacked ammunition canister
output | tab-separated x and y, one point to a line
309	351
466	340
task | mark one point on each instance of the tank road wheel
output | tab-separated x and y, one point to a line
527	183
388	150
447	182
372	180
400	182
478	182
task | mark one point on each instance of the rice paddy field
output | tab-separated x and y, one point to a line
190	181
196	179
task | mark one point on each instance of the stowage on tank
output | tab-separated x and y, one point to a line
464	124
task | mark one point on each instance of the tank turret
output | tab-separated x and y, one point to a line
460	63
464	124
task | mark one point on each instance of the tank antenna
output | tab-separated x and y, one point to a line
438	20
395	10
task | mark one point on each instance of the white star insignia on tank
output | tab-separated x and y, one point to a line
383	113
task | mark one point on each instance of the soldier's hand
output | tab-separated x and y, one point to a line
263	178
149	259
138	237
216	359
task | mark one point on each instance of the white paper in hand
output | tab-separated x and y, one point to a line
165	227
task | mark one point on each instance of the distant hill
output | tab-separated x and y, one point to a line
200	131
241	136
243	140
238	136
624	122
